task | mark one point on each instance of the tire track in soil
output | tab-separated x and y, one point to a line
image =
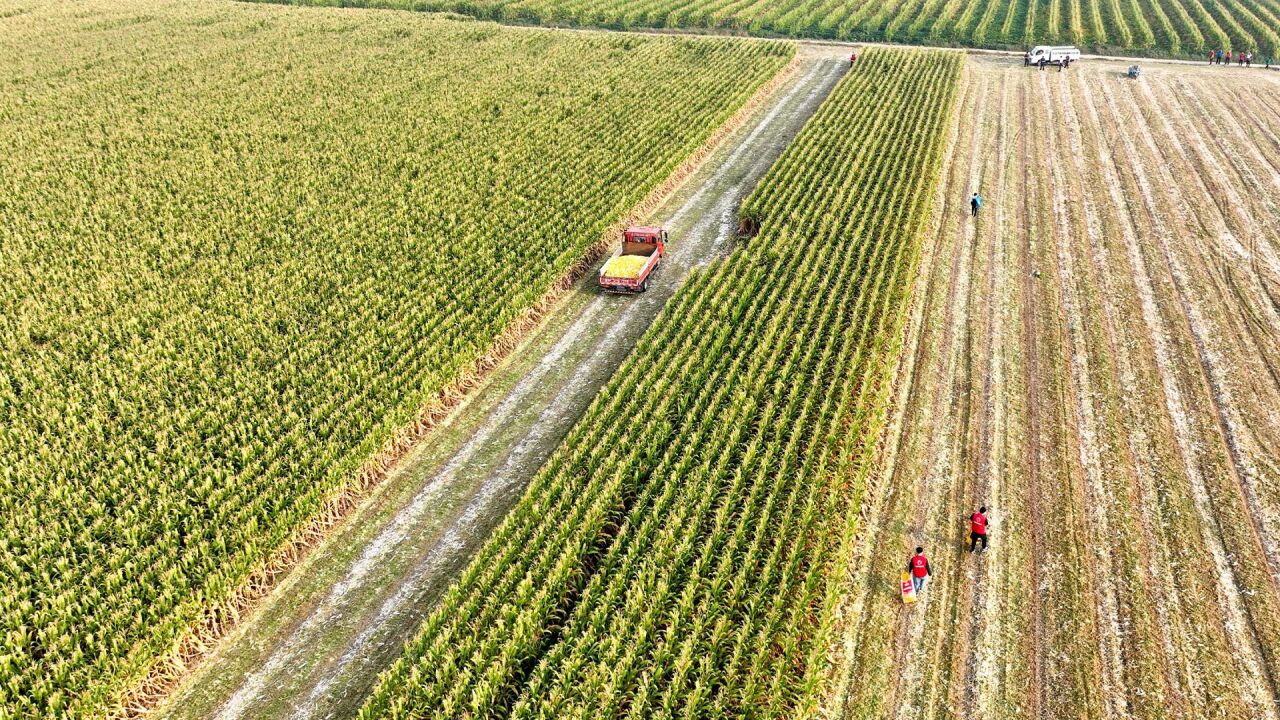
1238	218
1194	662
1259	317
1253	190
1236	617
1250	207
1212	180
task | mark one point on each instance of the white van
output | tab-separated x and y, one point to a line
1051	54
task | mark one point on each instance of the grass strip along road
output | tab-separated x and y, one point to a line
242	249
677	554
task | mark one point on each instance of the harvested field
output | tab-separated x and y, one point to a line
1096	358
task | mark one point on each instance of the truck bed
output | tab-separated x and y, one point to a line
614	280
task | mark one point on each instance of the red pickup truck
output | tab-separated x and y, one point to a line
628	269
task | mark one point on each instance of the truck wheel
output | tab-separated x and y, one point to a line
644	286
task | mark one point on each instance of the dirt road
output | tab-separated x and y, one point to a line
1095	358
315	648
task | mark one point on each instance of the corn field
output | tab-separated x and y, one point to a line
1162	28
676	555
242	247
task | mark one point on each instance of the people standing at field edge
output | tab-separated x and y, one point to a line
1248	60
975	204
919	568
978	529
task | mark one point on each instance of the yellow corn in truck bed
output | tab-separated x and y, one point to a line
625	266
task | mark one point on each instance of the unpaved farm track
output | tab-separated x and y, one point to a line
1095	358
316	647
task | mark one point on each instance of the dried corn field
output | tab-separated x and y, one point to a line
1096	358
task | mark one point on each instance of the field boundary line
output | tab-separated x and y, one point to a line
164	673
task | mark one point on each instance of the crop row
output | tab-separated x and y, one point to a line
674	556
1152	27
241	248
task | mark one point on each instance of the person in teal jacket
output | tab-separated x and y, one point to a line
975	204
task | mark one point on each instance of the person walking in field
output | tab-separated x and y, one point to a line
1219	56
978	529
975	204
919	568
1240	59
1211	53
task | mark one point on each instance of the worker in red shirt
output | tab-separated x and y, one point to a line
978	529
918	566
